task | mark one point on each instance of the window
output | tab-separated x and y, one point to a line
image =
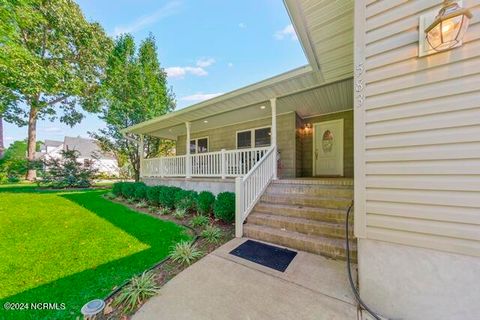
260	137
199	145
244	139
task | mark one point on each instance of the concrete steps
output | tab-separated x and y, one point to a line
329	247
305	214
302	225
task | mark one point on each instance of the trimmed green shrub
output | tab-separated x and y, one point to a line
198	221
128	190
166	196
186	199
205	201
140	191
152	195
117	188
224	207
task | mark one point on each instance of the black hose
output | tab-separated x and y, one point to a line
120	287
350	279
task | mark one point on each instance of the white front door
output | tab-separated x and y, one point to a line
328	148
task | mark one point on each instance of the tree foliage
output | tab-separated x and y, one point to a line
51	63
135	90
14	164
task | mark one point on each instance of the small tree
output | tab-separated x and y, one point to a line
135	90
68	172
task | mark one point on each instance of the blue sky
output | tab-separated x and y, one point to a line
207	47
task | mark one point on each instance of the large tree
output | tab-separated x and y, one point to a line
51	64
135	90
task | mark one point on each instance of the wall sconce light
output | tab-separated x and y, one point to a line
306	128
445	30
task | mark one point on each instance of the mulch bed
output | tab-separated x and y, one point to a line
168	269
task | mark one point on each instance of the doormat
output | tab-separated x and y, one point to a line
265	254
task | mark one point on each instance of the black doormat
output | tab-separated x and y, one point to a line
264	254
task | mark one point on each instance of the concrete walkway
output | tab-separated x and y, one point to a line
222	286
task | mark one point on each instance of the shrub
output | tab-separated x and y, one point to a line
153	195
166	196
139	289
117	188
199	221
110	195
212	234
68	171
186	199
205	201
224	207
128	190
140	192
185	253
180	213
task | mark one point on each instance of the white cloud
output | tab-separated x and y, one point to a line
141	23
242	25
197	97
180	72
205	62
9	138
287	32
230	64
197	70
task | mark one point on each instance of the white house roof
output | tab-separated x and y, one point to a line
323	86
87	148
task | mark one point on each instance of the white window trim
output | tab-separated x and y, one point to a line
196	144
252	135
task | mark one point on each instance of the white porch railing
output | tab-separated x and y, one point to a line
225	163
249	189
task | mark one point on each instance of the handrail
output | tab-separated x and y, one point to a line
224	163
249	189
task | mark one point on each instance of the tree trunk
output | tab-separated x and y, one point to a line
2	147
32	143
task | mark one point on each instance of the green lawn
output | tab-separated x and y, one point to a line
71	247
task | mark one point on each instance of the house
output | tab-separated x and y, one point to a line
377	116
88	149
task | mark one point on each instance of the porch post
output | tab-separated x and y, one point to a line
188	159
141	154
273	138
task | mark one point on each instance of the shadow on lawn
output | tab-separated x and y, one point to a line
75	290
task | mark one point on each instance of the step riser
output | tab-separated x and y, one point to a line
310	190
298	244
318	214
304	201
311	229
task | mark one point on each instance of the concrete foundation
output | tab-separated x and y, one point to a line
197	184
403	282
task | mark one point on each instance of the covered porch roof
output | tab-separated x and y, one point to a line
301	90
325	85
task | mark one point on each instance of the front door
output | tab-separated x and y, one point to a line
328	148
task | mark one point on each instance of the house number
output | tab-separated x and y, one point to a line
359	85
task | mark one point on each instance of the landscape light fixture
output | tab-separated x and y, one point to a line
92	308
447	29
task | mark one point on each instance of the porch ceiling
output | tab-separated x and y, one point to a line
302	94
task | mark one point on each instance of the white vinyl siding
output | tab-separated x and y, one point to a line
417	133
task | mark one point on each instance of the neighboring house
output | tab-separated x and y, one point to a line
366	111
88	149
